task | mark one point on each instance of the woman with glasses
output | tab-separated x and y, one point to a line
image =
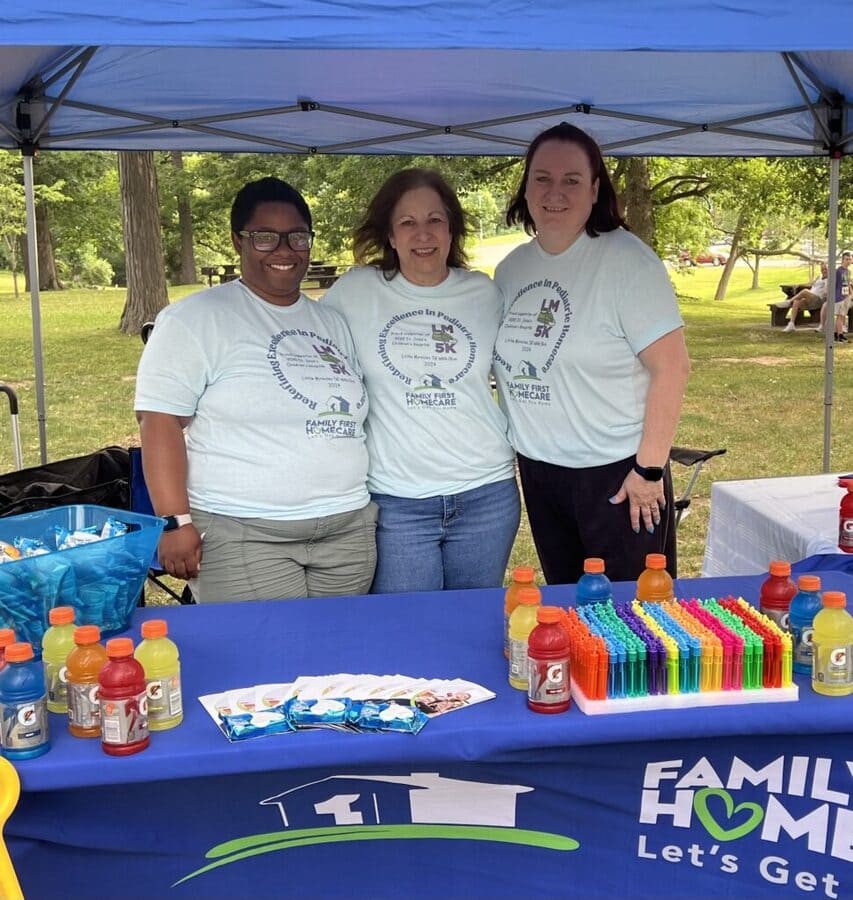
251	408
591	365
441	468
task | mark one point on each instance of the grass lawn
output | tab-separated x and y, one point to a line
754	390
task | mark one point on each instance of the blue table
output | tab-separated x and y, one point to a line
493	800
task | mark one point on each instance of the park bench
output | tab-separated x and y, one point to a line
779	314
325	274
221	273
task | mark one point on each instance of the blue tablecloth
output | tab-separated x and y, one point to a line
625	787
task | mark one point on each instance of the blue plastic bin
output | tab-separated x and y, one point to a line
101	580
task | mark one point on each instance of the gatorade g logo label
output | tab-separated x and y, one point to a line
63	674
847	527
838	657
785	622
806	636
93	694
27	715
555	673
154	690
143	705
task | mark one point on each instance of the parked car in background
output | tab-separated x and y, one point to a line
704	258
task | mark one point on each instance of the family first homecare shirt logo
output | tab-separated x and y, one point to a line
313	371
781	821
428	351
422	805
530	338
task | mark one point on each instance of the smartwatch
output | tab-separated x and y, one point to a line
650	473
173	522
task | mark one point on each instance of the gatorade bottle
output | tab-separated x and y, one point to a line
23	702
655	583
522	577
7	636
521	623
57	643
804	607
548	686
777	592
82	669
594	585
159	658
124	705
832	641
845	520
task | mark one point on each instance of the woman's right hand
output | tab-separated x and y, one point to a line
179	552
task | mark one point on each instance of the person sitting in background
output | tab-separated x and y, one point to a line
808	298
842	298
272	470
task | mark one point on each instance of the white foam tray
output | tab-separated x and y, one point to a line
682	701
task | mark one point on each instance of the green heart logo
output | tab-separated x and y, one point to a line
713	827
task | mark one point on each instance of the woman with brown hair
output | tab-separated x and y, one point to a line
424	327
591	367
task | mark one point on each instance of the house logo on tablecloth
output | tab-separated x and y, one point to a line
419	798
419	806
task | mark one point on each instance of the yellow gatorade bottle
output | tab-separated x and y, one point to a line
521	623
832	646
522	577
57	643
159	658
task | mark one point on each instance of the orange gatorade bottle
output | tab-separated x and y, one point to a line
655	583
522	577
84	665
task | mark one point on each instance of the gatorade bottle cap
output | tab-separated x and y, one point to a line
155	628
548	614
832	599
7	636
61	615
19	652
524	574
529	597
119	647
808	582
87	634
655	561
780	567
593	565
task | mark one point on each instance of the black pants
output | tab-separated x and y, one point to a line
571	519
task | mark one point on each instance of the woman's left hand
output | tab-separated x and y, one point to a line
646	500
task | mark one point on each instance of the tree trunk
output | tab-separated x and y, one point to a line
11	242
637	196
48	279
143	246
728	268
186	273
755	284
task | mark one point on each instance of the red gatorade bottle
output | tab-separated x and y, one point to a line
777	592
549	688
845	520
124	704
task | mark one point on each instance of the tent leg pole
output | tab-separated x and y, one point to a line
829	326
35	303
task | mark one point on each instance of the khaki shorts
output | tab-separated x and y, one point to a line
267	559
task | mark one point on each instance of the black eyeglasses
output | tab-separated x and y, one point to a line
267	241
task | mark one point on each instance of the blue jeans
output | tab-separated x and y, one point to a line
445	543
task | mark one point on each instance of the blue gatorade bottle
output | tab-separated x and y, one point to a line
594	585
23	701
807	603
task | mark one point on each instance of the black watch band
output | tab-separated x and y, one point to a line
650	473
173	522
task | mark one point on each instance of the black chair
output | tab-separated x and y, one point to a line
694	459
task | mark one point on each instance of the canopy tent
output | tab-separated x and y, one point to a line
674	78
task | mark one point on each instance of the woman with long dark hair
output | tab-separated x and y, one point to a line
591	367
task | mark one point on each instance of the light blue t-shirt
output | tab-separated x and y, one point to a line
566	356
434	427
276	400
